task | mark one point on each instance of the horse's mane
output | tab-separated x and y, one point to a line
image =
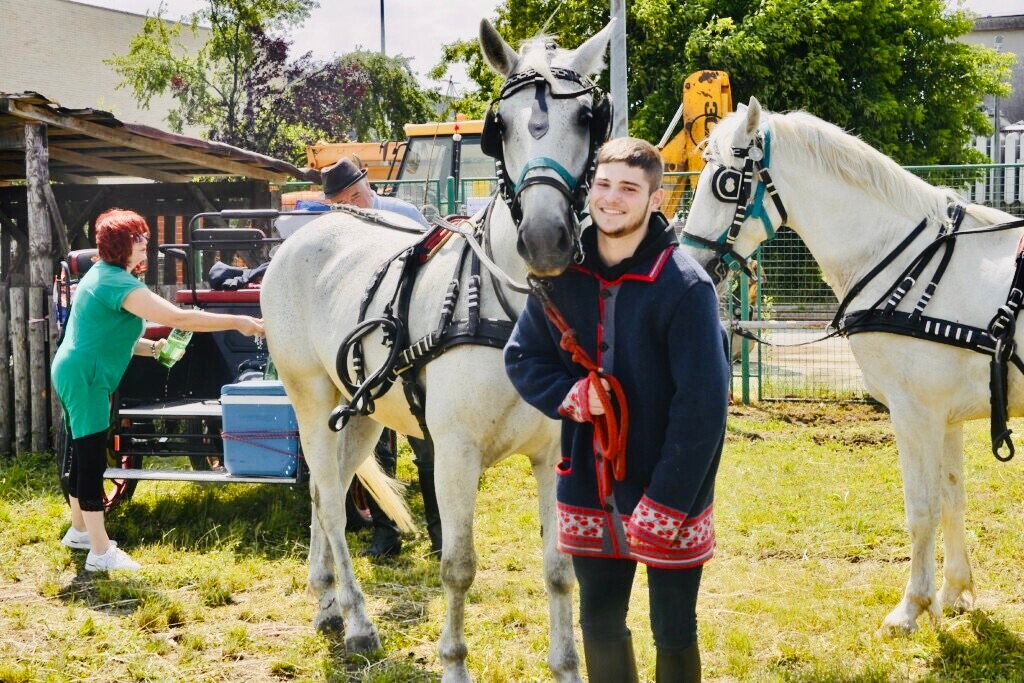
816	144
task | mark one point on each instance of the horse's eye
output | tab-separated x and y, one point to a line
585	116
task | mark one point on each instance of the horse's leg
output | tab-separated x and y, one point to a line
456	479
558	580
919	438
321	574
958	585
332	459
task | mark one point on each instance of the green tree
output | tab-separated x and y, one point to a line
393	96
222	86
890	71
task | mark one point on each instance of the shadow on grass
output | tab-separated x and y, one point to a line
265	520
993	654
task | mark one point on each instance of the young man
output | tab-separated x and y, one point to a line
345	183
647	315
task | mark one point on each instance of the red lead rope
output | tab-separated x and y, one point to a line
610	429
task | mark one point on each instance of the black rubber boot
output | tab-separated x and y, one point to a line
424	451
610	662
678	666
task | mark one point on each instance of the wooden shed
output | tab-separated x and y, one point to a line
59	169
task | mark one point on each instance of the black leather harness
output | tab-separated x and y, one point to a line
996	340
405	357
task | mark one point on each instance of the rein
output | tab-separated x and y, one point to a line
611	428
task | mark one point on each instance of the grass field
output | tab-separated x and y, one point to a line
812	555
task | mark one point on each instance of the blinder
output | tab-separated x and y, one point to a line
725	184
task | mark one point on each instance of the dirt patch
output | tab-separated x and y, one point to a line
812	413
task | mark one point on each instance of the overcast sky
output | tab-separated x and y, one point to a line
413	28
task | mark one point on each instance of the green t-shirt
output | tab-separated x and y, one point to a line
96	349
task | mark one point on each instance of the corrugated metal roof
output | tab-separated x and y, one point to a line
88	143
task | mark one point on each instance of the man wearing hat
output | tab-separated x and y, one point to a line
345	183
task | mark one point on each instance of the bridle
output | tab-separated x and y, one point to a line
575	189
747	188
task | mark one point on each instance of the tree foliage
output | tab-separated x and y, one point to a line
392	96
241	88
890	71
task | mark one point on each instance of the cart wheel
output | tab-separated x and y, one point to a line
114	490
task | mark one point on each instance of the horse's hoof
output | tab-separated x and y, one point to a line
367	643
895	628
456	674
957	603
331	626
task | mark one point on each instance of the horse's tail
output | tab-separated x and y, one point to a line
388	492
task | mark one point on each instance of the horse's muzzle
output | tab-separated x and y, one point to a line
546	250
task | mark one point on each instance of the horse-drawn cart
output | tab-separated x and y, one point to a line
168	423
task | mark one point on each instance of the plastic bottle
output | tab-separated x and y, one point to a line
173	351
270	372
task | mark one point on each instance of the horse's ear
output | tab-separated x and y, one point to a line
753	117
499	55
588	59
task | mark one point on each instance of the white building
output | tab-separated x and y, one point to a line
1008	33
57	48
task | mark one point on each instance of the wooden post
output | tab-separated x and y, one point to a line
19	354
6	395
40	251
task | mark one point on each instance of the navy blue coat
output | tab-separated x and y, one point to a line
652	322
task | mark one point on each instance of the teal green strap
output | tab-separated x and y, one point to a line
545	162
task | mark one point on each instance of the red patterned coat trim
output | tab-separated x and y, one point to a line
580	530
576	405
653	535
664	537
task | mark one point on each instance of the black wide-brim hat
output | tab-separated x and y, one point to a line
340	176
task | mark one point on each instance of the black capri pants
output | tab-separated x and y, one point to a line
88	463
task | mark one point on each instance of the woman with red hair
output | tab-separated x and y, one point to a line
103	332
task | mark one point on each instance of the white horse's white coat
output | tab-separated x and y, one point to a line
310	301
852	206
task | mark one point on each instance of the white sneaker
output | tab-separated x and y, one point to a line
114	558
79	540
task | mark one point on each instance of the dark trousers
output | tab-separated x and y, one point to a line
88	463
605	587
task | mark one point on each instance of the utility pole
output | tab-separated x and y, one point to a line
620	94
382	52
997	149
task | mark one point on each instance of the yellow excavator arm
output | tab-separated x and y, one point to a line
706	98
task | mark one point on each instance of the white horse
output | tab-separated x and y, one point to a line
541	126
854	207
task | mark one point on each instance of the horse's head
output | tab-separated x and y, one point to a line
729	215
543	131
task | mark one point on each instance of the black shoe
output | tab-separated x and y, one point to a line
382	547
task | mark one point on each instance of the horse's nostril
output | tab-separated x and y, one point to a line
521	248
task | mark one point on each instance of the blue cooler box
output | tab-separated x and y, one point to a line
260	433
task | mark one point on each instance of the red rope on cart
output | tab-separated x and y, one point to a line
256	439
611	428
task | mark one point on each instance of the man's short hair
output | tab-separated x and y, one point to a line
636	153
